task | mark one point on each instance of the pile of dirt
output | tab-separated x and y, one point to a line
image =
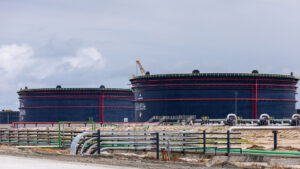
288	148
256	147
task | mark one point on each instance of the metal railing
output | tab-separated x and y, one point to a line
37	137
88	124
181	141
94	142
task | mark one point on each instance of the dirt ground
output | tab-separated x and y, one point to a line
131	162
17	162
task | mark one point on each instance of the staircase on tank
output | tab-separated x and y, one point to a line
160	119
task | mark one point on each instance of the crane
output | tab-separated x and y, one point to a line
141	67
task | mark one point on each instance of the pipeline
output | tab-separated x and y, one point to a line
266	128
271	152
262	128
22	147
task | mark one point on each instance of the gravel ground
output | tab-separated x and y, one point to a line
14	162
14	157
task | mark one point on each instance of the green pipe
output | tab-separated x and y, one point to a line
261	151
271	152
257	151
63	123
14	141
21	147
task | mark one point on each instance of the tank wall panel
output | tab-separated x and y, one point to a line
214	98
9	117
54	106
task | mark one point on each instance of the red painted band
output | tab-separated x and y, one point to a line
222	79
256	99
216	99
62	107
63	92
102	109
211	85
75	96
14	124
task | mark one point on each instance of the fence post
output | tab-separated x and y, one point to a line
27	137
8	136
228	142
59	136
98	142
183	135
157	146
18	137
275	139
204	141
37	136
49	142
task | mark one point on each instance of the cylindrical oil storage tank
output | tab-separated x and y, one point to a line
76	104
9	116
214	95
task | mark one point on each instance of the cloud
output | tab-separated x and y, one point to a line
21	66
85	58
19	59
88	57
15	58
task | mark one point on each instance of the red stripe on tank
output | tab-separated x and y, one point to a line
24	92
75	96
221	79
211	85
63	107
207	99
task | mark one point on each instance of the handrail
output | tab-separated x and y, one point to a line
262	128
150	141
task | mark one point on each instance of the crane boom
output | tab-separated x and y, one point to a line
141	67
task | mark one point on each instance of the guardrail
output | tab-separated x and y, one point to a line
89	124
88	143
37	137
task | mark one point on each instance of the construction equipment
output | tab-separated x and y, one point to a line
141	67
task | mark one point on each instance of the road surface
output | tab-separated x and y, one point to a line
13	162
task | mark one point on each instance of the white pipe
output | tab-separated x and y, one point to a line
262	128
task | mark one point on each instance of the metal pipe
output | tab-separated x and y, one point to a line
262	128
54	146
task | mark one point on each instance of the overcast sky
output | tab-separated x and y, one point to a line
86	43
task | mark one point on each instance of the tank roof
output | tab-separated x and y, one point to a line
223	75
73	89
